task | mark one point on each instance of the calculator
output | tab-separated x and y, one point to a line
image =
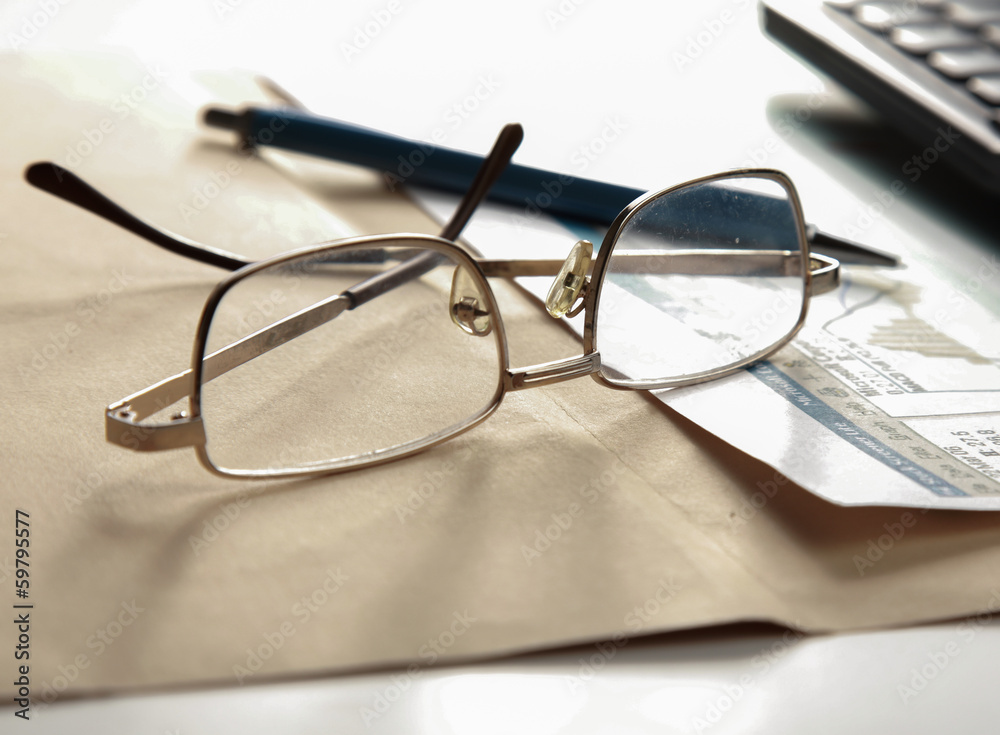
931	68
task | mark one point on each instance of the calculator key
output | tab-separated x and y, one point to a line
842	4
885	16
922	39
971	14
966	63
987	88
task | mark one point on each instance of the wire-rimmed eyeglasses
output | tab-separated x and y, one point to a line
365	350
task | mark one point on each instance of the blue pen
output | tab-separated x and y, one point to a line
403	161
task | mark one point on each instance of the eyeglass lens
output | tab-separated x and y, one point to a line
700	279
289	386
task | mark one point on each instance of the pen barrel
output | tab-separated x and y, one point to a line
403	161
533	190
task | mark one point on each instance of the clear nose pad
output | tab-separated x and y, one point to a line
468	306
571	282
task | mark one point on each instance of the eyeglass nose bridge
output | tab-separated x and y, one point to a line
571	283
552	372
468	307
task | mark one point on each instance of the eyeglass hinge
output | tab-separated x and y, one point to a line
122	427
553	372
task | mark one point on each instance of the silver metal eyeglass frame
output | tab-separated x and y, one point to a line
124	419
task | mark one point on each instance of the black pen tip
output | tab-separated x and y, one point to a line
219	118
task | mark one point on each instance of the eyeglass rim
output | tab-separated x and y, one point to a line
455	250
469	259
187	430
593	294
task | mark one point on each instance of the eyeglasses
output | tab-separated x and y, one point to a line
365	350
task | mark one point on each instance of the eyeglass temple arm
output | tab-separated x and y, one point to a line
494	164
824	271
66	185
122	419
182	431
847	251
